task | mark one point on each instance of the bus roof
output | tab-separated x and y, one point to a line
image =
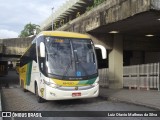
64	34
61	34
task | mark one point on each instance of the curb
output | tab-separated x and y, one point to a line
129	102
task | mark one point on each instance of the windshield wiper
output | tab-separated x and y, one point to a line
67	69
79	62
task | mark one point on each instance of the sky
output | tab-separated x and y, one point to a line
15	14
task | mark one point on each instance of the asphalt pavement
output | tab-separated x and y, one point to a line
15	99
148	98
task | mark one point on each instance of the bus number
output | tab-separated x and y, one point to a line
68	83
59	41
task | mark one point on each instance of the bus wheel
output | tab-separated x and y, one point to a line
39	99
22	86
24	90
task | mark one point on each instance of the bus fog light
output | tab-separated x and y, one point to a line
46	82
50	84
95	92
53	94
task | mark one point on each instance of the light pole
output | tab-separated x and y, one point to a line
52	18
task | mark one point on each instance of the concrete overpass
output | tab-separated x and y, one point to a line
11	49
129	29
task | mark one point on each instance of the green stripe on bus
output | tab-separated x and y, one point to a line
87	82
28	73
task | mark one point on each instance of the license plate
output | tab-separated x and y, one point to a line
76	94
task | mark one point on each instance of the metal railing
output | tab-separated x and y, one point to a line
145	76
142	76
103	77
68	4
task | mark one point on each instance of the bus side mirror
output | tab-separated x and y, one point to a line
103	51
42	50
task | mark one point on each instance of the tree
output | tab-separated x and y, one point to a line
30	29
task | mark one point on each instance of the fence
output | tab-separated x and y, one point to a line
103	77
142	76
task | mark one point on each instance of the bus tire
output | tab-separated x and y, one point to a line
22	86
24	90
39	99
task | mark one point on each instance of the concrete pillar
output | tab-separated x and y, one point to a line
116	63
1	48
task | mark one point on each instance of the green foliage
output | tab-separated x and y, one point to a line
30	29
89	8
95	3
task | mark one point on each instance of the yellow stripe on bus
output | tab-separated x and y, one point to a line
23	71
65	83
64	34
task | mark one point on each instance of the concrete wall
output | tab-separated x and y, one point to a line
109	12
16	46
137	58
142	43
1	41
144	57
152	57
102	39
155	4
1	48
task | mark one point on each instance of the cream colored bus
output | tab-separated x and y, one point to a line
60	65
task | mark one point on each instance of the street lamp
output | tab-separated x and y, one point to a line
52	18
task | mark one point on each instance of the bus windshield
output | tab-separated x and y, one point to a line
70	57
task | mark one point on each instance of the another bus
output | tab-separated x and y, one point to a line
60	65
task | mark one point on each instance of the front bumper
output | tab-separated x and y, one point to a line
59	94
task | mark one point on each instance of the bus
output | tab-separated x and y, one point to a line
60	65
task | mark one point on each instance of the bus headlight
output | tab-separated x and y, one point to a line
46	82
50	84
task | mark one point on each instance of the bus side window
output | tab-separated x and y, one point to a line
39	40
29	56
33	52
42	65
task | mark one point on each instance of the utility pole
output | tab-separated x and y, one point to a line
52	18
